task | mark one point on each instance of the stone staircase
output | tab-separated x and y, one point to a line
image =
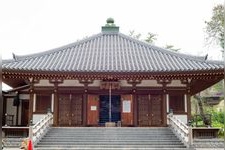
12	142
97	138
208	143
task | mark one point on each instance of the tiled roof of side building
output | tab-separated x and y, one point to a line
110	52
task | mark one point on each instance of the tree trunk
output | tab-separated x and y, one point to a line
205	120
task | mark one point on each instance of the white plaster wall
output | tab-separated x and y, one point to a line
37	117
52	103
71	83
182	118
24	96
11	110
167	103
149	83
124	83
176	83
19	113
43	83
95	83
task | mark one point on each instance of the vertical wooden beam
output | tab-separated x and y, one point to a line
188	107
135	107
164	110
4	109
85	97
31	101
164	100
188	97
56	104
56	82
134	83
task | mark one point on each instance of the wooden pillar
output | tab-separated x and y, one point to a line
188	107
85	97
4	109
188	98
134	83
31	101
135	107
56	108
84	117
56	82
164	109
164	83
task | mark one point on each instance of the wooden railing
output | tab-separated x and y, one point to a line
183	132
37	131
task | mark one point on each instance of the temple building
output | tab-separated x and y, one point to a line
107	77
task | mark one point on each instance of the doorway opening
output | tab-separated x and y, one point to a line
104	114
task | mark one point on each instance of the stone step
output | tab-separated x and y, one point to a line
99	131
211	143
109	129
105	148
91	148
12	142
92	129
111	142
111	135
109	146
104	131
110	138
116	132
113	132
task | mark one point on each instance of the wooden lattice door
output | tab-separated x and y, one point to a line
25	113
70	110
149	110
143	110
64	109
156	110
76	110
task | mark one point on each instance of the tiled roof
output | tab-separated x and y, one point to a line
110	52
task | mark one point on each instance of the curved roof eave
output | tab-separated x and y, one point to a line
131	54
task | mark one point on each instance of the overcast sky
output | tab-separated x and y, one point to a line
29	26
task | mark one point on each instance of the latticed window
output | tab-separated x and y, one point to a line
43	103
176	103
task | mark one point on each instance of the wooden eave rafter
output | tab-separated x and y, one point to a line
113	75
19	88
197	86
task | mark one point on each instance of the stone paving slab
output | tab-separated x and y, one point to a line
196	149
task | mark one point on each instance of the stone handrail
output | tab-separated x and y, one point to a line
183	132
37	131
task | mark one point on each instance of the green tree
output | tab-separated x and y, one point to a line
134	35
215	27
171	47
202	113
151	37
215	34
